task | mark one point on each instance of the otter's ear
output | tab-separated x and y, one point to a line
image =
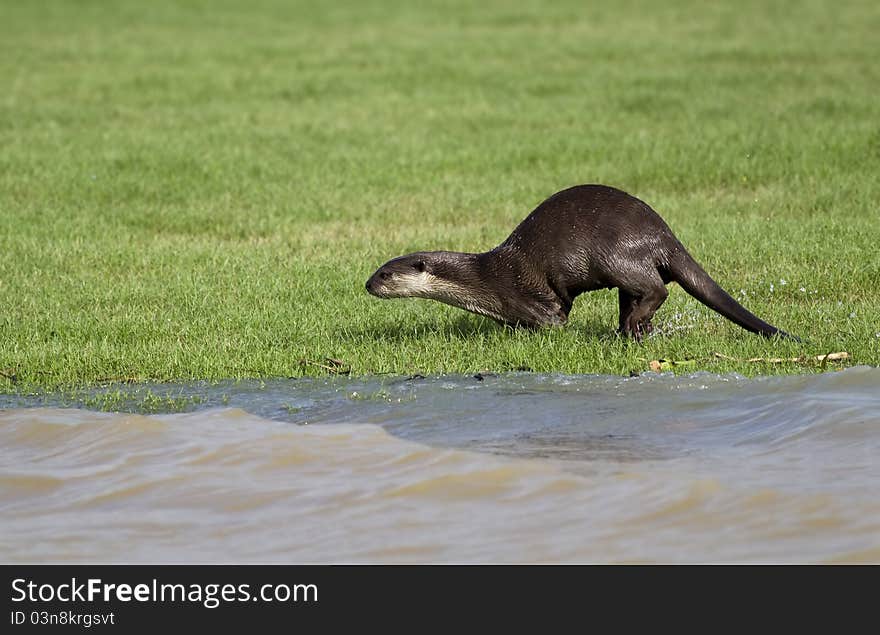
419	265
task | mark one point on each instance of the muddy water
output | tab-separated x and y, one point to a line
513	468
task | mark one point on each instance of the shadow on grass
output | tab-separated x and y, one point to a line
467	327
461	328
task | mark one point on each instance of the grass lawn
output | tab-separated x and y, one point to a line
201	189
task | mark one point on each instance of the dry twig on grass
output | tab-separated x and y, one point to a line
658	365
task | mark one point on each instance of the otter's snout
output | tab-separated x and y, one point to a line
371	287
376	284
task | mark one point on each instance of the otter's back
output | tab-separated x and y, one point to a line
596	228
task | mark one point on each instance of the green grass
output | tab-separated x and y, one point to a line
200	189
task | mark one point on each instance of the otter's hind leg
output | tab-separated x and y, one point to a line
639	300
627	304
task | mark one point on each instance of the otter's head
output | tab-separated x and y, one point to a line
447	276
409	276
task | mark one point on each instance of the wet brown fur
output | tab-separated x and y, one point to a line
581	239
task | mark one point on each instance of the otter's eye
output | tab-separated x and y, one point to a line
419	265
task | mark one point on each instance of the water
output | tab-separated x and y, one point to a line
513	468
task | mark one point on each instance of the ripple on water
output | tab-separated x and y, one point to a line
513	468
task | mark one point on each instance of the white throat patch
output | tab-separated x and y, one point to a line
421	284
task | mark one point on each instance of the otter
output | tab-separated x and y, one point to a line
581	239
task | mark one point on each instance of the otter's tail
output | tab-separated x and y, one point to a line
690	275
